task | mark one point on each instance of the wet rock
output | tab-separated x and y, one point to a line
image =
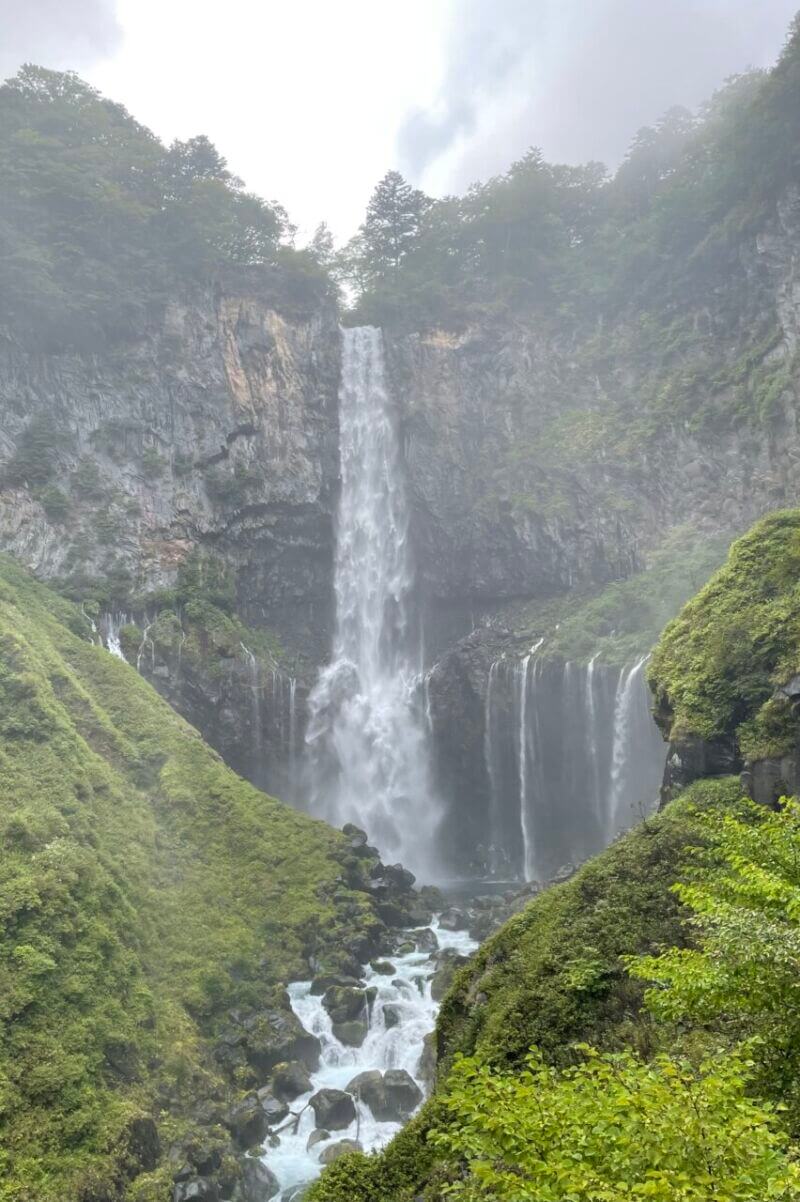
344	1002
317	1137
355	836
352	1033
426	1070
257	1183
425	940
406	948
295	1194
453	920
334	1151
333	1109
398	877
391	1015
290	1080
449	962
391	1096
274	1109
325	981
432	897
247	1122
403	1095
198	1189
383	968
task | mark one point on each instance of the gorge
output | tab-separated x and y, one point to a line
381	637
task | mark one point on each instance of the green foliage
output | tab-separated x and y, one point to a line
552	976
98	220
612	1127
743	894
231	488
36	453
718	663
144	890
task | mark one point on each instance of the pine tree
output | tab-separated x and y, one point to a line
392	225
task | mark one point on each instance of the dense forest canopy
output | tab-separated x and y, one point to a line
571	238
99	220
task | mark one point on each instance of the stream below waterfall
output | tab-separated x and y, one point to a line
399	1046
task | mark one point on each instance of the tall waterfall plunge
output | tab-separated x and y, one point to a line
573	757
366	735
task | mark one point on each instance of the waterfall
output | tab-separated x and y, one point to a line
572	757
632	734
254	684
366	739
523	767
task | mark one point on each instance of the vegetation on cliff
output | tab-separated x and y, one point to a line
717	667
573	239
144	891
100	222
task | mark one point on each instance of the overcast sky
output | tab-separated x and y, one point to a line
311	101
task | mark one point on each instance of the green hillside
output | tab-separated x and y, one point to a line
145	890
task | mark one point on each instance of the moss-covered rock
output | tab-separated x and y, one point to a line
721	669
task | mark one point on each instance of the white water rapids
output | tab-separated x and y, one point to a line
398	1047
366	737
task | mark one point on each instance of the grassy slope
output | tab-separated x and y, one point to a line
552	976
144	888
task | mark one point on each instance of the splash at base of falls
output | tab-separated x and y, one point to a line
400	1046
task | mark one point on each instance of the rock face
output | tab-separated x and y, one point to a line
217	432
215	435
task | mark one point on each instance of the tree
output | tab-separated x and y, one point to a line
392	225
321	247
613	1127
743	894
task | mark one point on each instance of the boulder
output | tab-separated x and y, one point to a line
383	968
290	1080
391	1015
334	1151
317	1137
403	1095
355	836
425	940
432	897
333	1109
344	1003
275	1109
453	920
198	1189
257	1183
391	1096
322	983
352	1033
247	1122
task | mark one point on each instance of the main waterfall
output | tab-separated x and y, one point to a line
366	738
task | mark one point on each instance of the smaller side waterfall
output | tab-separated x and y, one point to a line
572	758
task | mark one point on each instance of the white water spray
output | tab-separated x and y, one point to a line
624	716
366	737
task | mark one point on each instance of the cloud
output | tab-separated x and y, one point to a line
63	34
576	79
